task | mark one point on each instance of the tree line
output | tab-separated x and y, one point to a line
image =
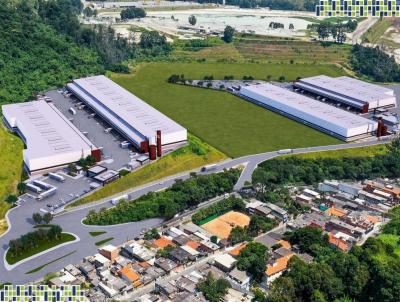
302	5
180	196
33	239
295	170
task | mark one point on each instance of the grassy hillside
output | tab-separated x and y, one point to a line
229	123
376	31
33	57
11	170
195	155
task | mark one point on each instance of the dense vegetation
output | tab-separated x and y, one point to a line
374	64
310	171
253	259
180	196
34	57
218	208
360	275
43	45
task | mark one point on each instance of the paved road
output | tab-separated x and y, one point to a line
70	221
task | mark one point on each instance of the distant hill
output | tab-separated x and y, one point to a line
34	57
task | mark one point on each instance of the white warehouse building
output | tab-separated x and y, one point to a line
351	92
136	120
51	140
329	119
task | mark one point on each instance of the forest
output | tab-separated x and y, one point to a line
43	46
374	64
180	196
34	57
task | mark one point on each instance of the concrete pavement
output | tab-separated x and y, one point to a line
21	222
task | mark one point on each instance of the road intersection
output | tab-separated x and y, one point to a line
20	221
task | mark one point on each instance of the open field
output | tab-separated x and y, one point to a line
232	125
354	152
42	246
272	49
222	225
11	170
373	34
196	155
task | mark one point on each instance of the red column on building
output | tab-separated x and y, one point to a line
159	143
144	146
96	153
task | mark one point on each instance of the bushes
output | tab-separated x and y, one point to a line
219	208
182	195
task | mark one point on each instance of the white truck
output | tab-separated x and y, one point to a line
115	200
209	168
285	151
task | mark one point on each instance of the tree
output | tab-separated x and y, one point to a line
47	217
214	239
259	224
214	290
11	199
21	187
306	237
253	259
228	34
192	20
132	13
37	218
282	290
152	234
239	234
54	232
88	12
323	30
152	39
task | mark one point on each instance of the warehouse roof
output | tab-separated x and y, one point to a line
331	114
45	130
347	87
132	115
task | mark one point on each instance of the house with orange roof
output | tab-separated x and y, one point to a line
129	275
285	244
236	251
276	268
193	244
332	211
339	243
162	242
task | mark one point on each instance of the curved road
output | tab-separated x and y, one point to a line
20	219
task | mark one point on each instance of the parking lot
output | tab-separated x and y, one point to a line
114	157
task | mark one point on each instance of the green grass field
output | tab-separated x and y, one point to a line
42	246
353	152
271	49
178	161
11	170
230	124
95	234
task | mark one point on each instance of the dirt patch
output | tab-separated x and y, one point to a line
223	225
